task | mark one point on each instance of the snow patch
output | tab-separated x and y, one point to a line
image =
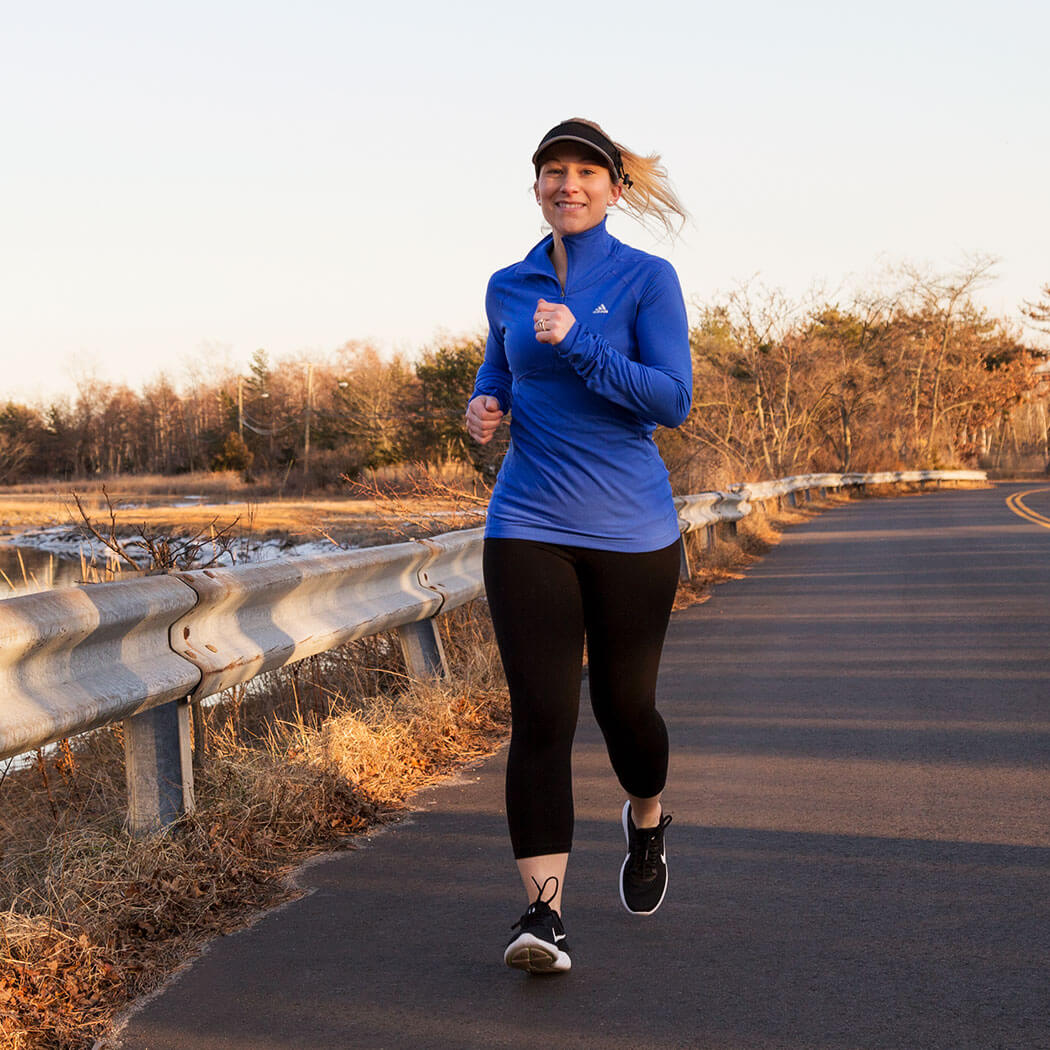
70	544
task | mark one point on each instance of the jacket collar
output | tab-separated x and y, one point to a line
588	254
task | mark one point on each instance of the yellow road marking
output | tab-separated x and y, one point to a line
1017	505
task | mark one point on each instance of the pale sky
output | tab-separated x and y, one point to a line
194	180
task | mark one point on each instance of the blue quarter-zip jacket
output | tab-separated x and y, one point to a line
582	468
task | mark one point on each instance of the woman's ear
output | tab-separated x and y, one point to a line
536	190
615	193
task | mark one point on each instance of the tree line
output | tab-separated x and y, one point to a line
917	376
349	411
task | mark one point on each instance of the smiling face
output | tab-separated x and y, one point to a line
574	189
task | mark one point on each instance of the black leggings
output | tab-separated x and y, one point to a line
544	598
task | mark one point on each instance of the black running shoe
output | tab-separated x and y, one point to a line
540	945
643	877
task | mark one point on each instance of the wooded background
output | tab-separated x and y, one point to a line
915	376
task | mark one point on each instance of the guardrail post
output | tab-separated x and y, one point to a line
685	572
159	767
422	648
199	733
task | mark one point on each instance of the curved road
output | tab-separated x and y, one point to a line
859	860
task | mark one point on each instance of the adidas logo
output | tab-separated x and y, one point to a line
600	309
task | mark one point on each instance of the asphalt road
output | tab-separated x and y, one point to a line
859	859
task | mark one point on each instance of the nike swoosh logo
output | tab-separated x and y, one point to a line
560	937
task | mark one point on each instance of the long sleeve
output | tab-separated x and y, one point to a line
658	386
494	375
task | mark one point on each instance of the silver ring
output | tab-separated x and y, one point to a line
543	325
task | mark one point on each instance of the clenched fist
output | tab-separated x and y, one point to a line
552	322
483	417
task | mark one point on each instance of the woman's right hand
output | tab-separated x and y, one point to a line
483	417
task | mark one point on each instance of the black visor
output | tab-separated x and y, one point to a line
574	131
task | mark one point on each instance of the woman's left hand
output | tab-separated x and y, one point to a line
552	322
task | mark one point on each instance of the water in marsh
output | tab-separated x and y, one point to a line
25	569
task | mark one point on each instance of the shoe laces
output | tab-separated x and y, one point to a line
539	909
646	849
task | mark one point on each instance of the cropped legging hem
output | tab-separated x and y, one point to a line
545	600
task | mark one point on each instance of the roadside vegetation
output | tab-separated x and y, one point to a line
360	513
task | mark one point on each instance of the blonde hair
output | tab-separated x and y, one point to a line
649	195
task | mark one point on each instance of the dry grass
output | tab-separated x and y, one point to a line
229	485
347	521
365	512
215	484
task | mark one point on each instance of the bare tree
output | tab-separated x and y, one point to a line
1038	311
371	402
944	304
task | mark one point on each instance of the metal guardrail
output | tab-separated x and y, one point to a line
81	657
139	651
255	618
455	569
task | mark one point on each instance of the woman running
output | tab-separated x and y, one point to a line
588	348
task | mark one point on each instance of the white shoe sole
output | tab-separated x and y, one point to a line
535	955
623	868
